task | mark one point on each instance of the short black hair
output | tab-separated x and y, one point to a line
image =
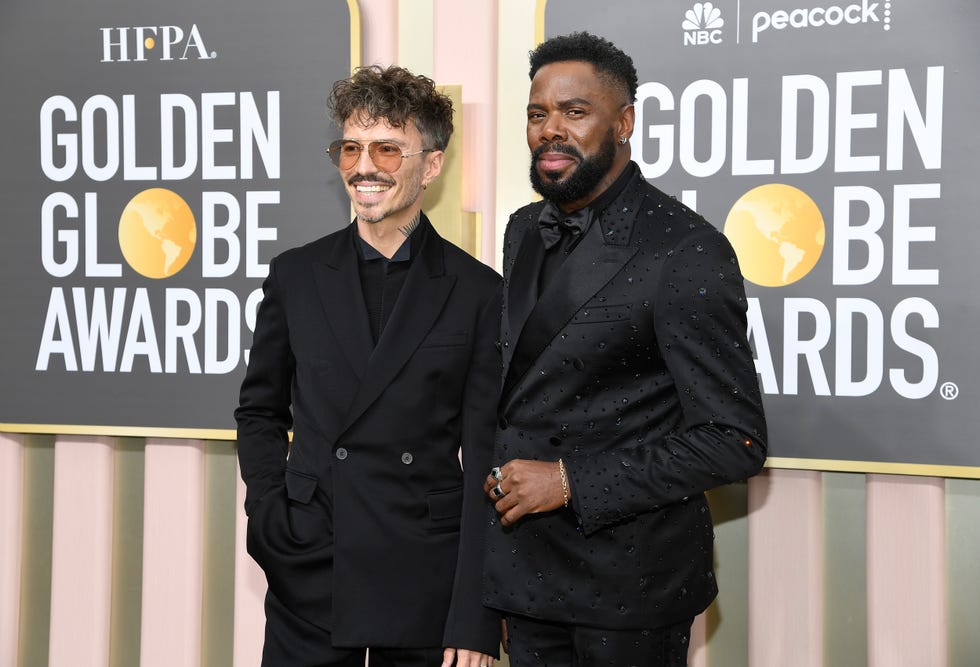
607	58
397	96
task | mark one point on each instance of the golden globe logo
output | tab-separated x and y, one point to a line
157	233
778	234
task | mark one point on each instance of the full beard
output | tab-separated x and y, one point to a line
582	181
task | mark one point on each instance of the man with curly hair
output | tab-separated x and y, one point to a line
376	346
629	386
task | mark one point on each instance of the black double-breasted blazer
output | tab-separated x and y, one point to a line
371	529
633	367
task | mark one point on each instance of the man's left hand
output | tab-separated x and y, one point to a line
465	658
529	487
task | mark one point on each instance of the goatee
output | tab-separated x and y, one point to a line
582	181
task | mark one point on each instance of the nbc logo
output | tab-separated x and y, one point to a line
702	25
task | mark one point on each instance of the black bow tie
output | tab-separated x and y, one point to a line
553	222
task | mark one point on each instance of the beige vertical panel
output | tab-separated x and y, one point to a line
845	599
906	572
220	504
464	52
11	529
127	552
727	619
250	590
785	569
81	552
35	582
963	570
379	31
172	553
415	35
515	37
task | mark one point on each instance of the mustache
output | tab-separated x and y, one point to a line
376	177
556	148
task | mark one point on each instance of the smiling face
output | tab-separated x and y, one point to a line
381	196
575	118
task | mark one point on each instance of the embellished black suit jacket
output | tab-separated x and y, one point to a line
371	529
634	368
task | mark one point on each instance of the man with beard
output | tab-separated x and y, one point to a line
376	346
629	386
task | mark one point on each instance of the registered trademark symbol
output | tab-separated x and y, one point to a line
949	391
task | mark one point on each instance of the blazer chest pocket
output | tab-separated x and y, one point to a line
601	313
445	510
445	339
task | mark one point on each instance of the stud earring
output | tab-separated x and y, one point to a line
622	140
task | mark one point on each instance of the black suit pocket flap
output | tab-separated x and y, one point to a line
446	504
300	486
445	339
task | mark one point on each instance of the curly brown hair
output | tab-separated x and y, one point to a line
396	95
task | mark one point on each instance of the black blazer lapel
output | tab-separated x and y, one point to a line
591	265
522	288
338	284
426	289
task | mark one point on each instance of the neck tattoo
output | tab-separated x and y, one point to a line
410	227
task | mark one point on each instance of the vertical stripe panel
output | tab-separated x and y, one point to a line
467	56
785	569
35	582
11	529
416	26
81	551
515	37
906	572
727	619
250	589
963	570
172	553
127	553
379	31
845	599
219	544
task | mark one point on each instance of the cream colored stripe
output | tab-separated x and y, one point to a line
963	571
728	617
35	591
844	554
785	570
906	572
218	603
81	551
515	37
127	551
172	553
11	529
250	590
416	27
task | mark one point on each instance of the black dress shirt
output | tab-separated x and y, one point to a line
382	278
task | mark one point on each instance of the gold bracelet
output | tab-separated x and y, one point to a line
564	481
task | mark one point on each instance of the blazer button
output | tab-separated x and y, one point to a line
341	453
503	424
407	458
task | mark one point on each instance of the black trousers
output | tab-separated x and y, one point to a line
290	641
535	643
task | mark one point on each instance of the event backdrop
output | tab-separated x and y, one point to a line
835	144
156	156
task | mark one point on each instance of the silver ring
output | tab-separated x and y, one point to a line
497	491
497	475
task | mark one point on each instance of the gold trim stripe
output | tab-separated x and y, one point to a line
884	467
